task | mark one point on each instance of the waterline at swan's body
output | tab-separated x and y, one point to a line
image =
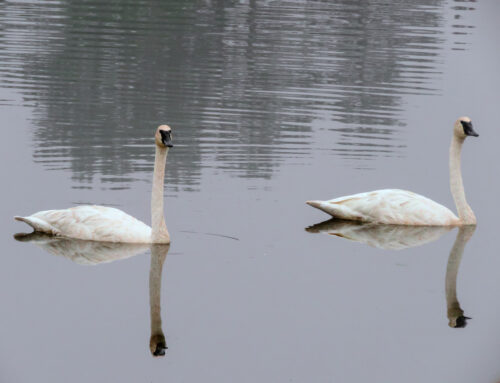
387	237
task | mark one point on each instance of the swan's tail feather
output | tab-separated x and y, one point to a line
38	225
23	219
316	204
336	210
326	207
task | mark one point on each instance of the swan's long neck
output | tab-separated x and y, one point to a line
159	232
456	184
453	306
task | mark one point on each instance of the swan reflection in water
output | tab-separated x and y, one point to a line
397	237
387	237
456	316
94	253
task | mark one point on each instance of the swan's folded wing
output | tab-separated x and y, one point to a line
95	223
392	206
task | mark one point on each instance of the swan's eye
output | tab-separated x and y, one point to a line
468	129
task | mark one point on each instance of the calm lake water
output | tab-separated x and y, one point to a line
271	103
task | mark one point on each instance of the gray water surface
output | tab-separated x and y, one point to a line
271	103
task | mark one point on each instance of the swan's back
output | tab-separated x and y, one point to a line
93	223
389	206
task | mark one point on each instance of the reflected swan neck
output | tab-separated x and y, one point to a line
454	311
155	274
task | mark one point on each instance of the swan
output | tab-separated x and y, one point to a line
100	223
387	237
400	207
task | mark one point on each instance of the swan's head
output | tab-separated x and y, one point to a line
157	345
463	128
163	136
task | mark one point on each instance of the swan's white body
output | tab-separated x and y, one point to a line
389	206
107	224
400	207
91	223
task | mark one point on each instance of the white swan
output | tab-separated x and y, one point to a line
400	207
100	223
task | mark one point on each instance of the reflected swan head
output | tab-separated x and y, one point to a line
157	345
458	322
163	136
463	128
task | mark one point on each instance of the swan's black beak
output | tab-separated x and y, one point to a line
468	129
166	138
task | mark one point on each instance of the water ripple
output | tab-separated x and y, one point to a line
241	83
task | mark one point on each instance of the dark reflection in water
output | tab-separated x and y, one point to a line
95	253
398	237
157	341
81	251
388	237
460	24
456	317
383	236
242	83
